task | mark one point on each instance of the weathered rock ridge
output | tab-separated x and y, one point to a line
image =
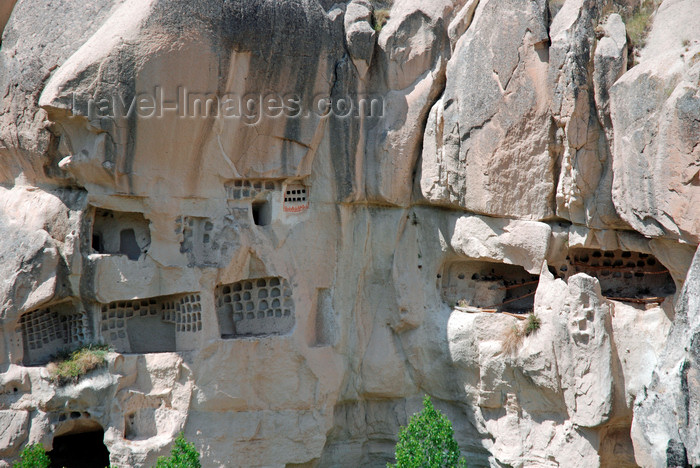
290	224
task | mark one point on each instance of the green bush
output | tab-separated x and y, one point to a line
428	441
638	23
532	325
69	366
33	456
183	455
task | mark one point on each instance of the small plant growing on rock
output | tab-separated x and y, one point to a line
69	366
512	338
638	22
183	455
380	18
381	14
428	441
33	456
532	325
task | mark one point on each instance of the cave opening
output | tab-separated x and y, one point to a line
120	233
79	450
259	306
97	245
489	286
128	245
262	214
625	275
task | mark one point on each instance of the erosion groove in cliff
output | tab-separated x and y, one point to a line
292	220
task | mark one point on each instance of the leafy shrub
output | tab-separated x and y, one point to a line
183	455
428	441
69	366
532	325
33	456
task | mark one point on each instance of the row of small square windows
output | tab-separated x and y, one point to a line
45	326
272	299
295	195
249	284
257	184
245	189
271	313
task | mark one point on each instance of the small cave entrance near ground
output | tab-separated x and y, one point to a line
120	233
624	275
488	285
79	450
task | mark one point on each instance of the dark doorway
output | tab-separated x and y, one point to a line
128	245
262	214
97	243
84	450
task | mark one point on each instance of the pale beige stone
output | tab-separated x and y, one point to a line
285	290
654	114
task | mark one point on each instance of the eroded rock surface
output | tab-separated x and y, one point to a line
665	427
290	224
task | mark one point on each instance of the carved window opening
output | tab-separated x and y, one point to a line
49	330
128	245
296	198
260	306
141	424
120	233
245	189
196	231
624	275
325	320
199	239
150	325
488	286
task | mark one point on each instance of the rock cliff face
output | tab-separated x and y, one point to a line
290	223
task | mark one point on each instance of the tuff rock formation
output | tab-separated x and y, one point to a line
290	224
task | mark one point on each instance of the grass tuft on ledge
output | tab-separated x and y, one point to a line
513	337
69	366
